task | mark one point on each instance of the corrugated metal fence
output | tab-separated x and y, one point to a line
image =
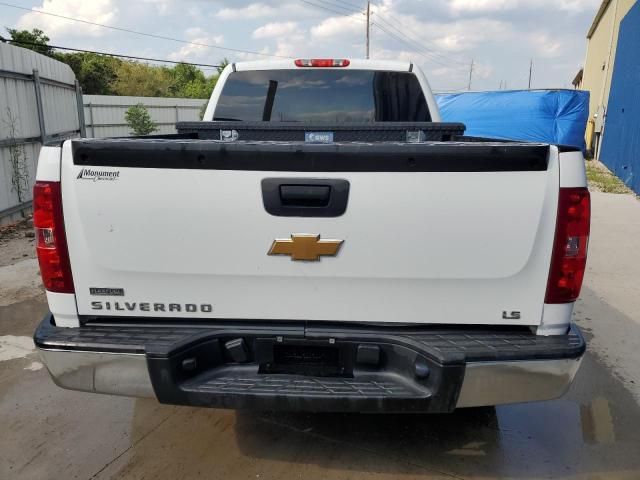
39	105
104	114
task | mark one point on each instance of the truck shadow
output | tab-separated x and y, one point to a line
591	430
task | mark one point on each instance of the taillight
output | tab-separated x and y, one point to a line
322	62
51	243
570	246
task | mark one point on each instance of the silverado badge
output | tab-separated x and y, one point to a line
305	246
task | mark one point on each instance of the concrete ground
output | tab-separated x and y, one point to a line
593	432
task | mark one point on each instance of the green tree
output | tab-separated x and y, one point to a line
139	120
96	73
106	75
183	74
34	40
188	82
198	88
139	79
223	64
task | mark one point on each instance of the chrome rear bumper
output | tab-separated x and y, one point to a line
150	362
99	372
484	384
497	383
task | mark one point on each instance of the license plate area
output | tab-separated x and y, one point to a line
305	358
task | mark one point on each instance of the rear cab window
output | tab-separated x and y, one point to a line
322	95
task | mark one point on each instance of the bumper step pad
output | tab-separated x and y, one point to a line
251	390
379	386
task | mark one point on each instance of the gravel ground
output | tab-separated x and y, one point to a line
17	242
19	273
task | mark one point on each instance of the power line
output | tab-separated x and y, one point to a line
426	53
351	12
419	52
423	55
57	47
341	6
323	7
145	34
417	49
353	5
416	40
403	26
429	54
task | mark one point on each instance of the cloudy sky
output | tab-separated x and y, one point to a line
442	36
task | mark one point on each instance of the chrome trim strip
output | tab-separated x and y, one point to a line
495	383
99	372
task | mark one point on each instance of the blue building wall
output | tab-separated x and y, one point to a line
621	139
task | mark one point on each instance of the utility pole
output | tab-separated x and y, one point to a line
470	74
530	70
368	26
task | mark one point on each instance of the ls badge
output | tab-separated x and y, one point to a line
305	246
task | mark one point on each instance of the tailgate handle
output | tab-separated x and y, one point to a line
305	197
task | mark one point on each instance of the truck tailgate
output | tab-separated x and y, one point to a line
442	233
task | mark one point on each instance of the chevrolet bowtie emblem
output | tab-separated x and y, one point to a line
303	246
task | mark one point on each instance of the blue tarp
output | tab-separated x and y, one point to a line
549	116
621	138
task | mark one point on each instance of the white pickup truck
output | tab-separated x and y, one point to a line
320	242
